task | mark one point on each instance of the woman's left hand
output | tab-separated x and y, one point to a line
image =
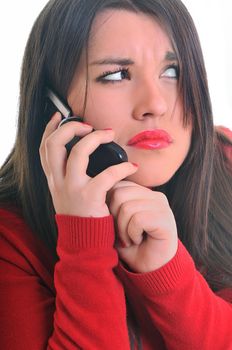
145	226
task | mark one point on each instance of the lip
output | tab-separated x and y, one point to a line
151	139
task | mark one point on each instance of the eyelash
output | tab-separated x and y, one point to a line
102	77
105	74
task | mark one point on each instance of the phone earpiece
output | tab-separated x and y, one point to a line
104	156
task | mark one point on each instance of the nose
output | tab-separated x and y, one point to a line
149	100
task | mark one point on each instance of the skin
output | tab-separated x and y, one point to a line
142	96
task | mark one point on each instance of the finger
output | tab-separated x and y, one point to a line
52	125
126	212
56	153
79	157
110	176
123	194
50	128
121	184
140	223
159	227
126	183
68	131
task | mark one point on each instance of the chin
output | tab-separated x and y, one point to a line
149	180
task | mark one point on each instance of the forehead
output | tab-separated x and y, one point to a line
123	31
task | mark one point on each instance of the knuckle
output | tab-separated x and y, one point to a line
49	142
41	150
136	218
117	195
125	208
161	197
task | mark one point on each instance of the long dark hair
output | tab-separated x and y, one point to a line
200	193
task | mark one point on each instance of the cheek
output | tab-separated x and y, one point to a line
76	100
105	108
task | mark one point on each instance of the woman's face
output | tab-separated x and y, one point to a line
133	89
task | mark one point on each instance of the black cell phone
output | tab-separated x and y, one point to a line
104	156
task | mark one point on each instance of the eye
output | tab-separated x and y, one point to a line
116	76
171	72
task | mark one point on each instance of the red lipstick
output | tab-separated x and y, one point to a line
151	139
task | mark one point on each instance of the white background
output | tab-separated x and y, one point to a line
214	23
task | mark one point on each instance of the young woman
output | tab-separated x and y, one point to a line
138	256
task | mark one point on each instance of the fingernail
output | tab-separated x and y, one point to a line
121	243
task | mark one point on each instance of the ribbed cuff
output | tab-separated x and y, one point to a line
84	232
164	279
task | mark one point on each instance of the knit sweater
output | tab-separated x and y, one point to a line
79	301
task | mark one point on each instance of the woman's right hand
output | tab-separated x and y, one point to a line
73	191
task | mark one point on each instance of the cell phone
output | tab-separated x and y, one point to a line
104	156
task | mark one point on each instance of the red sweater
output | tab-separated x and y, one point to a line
79	302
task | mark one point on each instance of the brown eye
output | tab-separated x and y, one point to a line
118	75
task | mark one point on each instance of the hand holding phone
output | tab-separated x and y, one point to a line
104	156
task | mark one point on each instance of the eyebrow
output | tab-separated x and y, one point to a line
169	56
111	60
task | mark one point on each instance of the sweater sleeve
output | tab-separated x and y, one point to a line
90	303
180	304
85	310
